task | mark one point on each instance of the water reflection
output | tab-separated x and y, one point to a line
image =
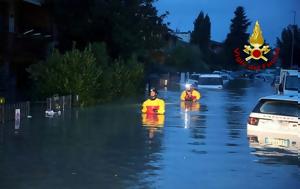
97	147
275	147
186	109
235	116
190	106
153	122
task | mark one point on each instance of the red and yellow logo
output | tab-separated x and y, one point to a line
256	51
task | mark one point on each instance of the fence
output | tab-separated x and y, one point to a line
59	102
7	111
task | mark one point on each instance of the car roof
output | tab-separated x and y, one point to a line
293	98
211	75
292	72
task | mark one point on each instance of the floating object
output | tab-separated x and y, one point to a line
29	116
51	113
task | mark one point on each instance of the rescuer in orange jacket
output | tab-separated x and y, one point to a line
153	105
190	94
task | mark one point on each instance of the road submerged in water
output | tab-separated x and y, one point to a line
201	145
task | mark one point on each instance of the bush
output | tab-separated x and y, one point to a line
74	72
127	77
87	74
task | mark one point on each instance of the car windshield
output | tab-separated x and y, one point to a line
277	107
210	81
292	83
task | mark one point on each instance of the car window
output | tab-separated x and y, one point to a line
277	107
292	83
210	81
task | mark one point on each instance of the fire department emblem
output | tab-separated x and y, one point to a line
256	50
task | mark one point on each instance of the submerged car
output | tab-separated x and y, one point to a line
268	143
277	114
289	82
225	75
212	81
193	79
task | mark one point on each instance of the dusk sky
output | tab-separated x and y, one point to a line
273	15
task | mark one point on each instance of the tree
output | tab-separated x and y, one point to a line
127	26
74	72
285	45
201	34
72	21
187	58
237	37
85	73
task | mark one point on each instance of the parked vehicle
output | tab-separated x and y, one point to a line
271	144
193	79
277	114
213	81
289	82
225	76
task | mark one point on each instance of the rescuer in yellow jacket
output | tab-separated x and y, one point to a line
153	105
190	94
153	120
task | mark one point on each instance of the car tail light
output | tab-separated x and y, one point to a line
252	139
253	121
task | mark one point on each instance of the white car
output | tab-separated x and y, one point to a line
193	79
276	114
268	143
289	80
212	81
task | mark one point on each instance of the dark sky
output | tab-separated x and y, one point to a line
273	15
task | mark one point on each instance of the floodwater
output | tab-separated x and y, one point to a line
202	145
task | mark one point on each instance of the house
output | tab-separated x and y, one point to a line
182	36
25	33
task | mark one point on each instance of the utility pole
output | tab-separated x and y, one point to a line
293	38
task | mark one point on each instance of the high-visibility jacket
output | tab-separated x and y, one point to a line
153	120
194	96
156	106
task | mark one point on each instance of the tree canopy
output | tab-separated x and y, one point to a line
201	34
285	43
128	26
237	37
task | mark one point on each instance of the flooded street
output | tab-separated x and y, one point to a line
203	145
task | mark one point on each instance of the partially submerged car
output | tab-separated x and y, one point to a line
193	79
277	114
212	81
267	143
289	82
